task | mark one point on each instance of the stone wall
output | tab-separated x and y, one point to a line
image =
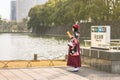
85	29
104	60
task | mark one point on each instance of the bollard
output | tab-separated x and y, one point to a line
35	57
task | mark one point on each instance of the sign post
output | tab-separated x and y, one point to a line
100	37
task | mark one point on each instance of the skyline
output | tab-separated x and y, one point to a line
5	8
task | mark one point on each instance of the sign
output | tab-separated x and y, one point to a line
100	37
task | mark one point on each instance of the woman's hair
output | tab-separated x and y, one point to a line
76	27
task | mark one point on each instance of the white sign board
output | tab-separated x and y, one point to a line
100	37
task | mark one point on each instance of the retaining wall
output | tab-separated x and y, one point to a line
104	60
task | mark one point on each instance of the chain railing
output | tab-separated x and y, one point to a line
50	59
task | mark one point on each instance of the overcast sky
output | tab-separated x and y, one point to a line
5	8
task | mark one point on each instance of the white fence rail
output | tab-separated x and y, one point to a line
114	43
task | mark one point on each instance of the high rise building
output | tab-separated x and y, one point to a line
23	7
13	10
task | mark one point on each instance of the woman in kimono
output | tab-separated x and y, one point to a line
74	59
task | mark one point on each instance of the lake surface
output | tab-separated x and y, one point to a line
23	47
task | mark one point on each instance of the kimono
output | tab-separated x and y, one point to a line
74	59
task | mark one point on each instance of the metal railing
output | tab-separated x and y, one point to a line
114	43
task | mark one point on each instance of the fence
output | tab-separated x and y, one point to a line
29	63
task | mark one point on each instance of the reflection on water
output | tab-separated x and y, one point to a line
22	47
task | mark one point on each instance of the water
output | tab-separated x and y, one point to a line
23	47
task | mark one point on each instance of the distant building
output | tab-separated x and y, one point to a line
13	10
23	7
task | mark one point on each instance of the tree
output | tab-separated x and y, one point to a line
34	17
105	10
64	12
115	9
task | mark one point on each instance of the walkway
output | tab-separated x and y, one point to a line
93	74
56	73
48	73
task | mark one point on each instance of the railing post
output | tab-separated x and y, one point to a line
35	57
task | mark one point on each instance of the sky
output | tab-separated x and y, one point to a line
5	8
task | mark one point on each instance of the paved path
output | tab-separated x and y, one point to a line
48	73
93	74
56	73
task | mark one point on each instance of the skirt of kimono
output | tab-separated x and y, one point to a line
74	61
